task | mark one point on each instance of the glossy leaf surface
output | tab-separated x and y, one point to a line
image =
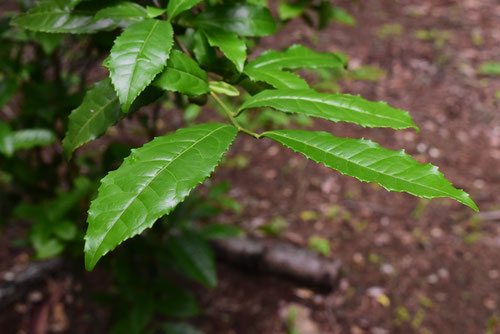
183	75
123	13
229	44
242	19
368	162
277	78
50	17
192	256
175	7
150	183
137	56
99	110
221	87
333	107
297	56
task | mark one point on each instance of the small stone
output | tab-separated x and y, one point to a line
421	148
382	239
490	303
436	232
9	276
35	296
379	330
385	221
443	273
358	258
375	291
479	184
387	269
21	308
273	150
432	279
270	174
493	274
434	152
304	293
356	330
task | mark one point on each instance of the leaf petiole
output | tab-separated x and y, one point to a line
230	115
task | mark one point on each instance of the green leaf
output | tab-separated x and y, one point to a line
155	11
276	78
295	57
150	183
46	247
8	87
490	68
221	87
137	56
48	42
30	138
242	19
175	7
192	256
289	11
368	162
333	107
176	301
229	44
183	75
99	110
220	231
50	17
65	230
179	328
6	142
203	52
341	16
123	13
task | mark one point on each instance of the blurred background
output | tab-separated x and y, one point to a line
407	265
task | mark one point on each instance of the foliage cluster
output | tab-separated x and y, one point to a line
182	52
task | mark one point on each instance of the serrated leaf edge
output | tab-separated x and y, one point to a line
464	197
90	263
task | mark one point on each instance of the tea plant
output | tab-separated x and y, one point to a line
191	50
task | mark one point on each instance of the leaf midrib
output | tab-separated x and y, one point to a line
136	63
271	62
254	72
367	168
105	234
95	114
313	100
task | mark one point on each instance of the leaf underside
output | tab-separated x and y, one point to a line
137	56
150	183
229	44
368	162
333	107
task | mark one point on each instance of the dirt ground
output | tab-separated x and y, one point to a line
409	265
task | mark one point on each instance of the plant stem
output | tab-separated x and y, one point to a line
233	120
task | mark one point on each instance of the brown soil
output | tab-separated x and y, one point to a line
410	265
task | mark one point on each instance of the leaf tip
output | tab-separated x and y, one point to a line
467	200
